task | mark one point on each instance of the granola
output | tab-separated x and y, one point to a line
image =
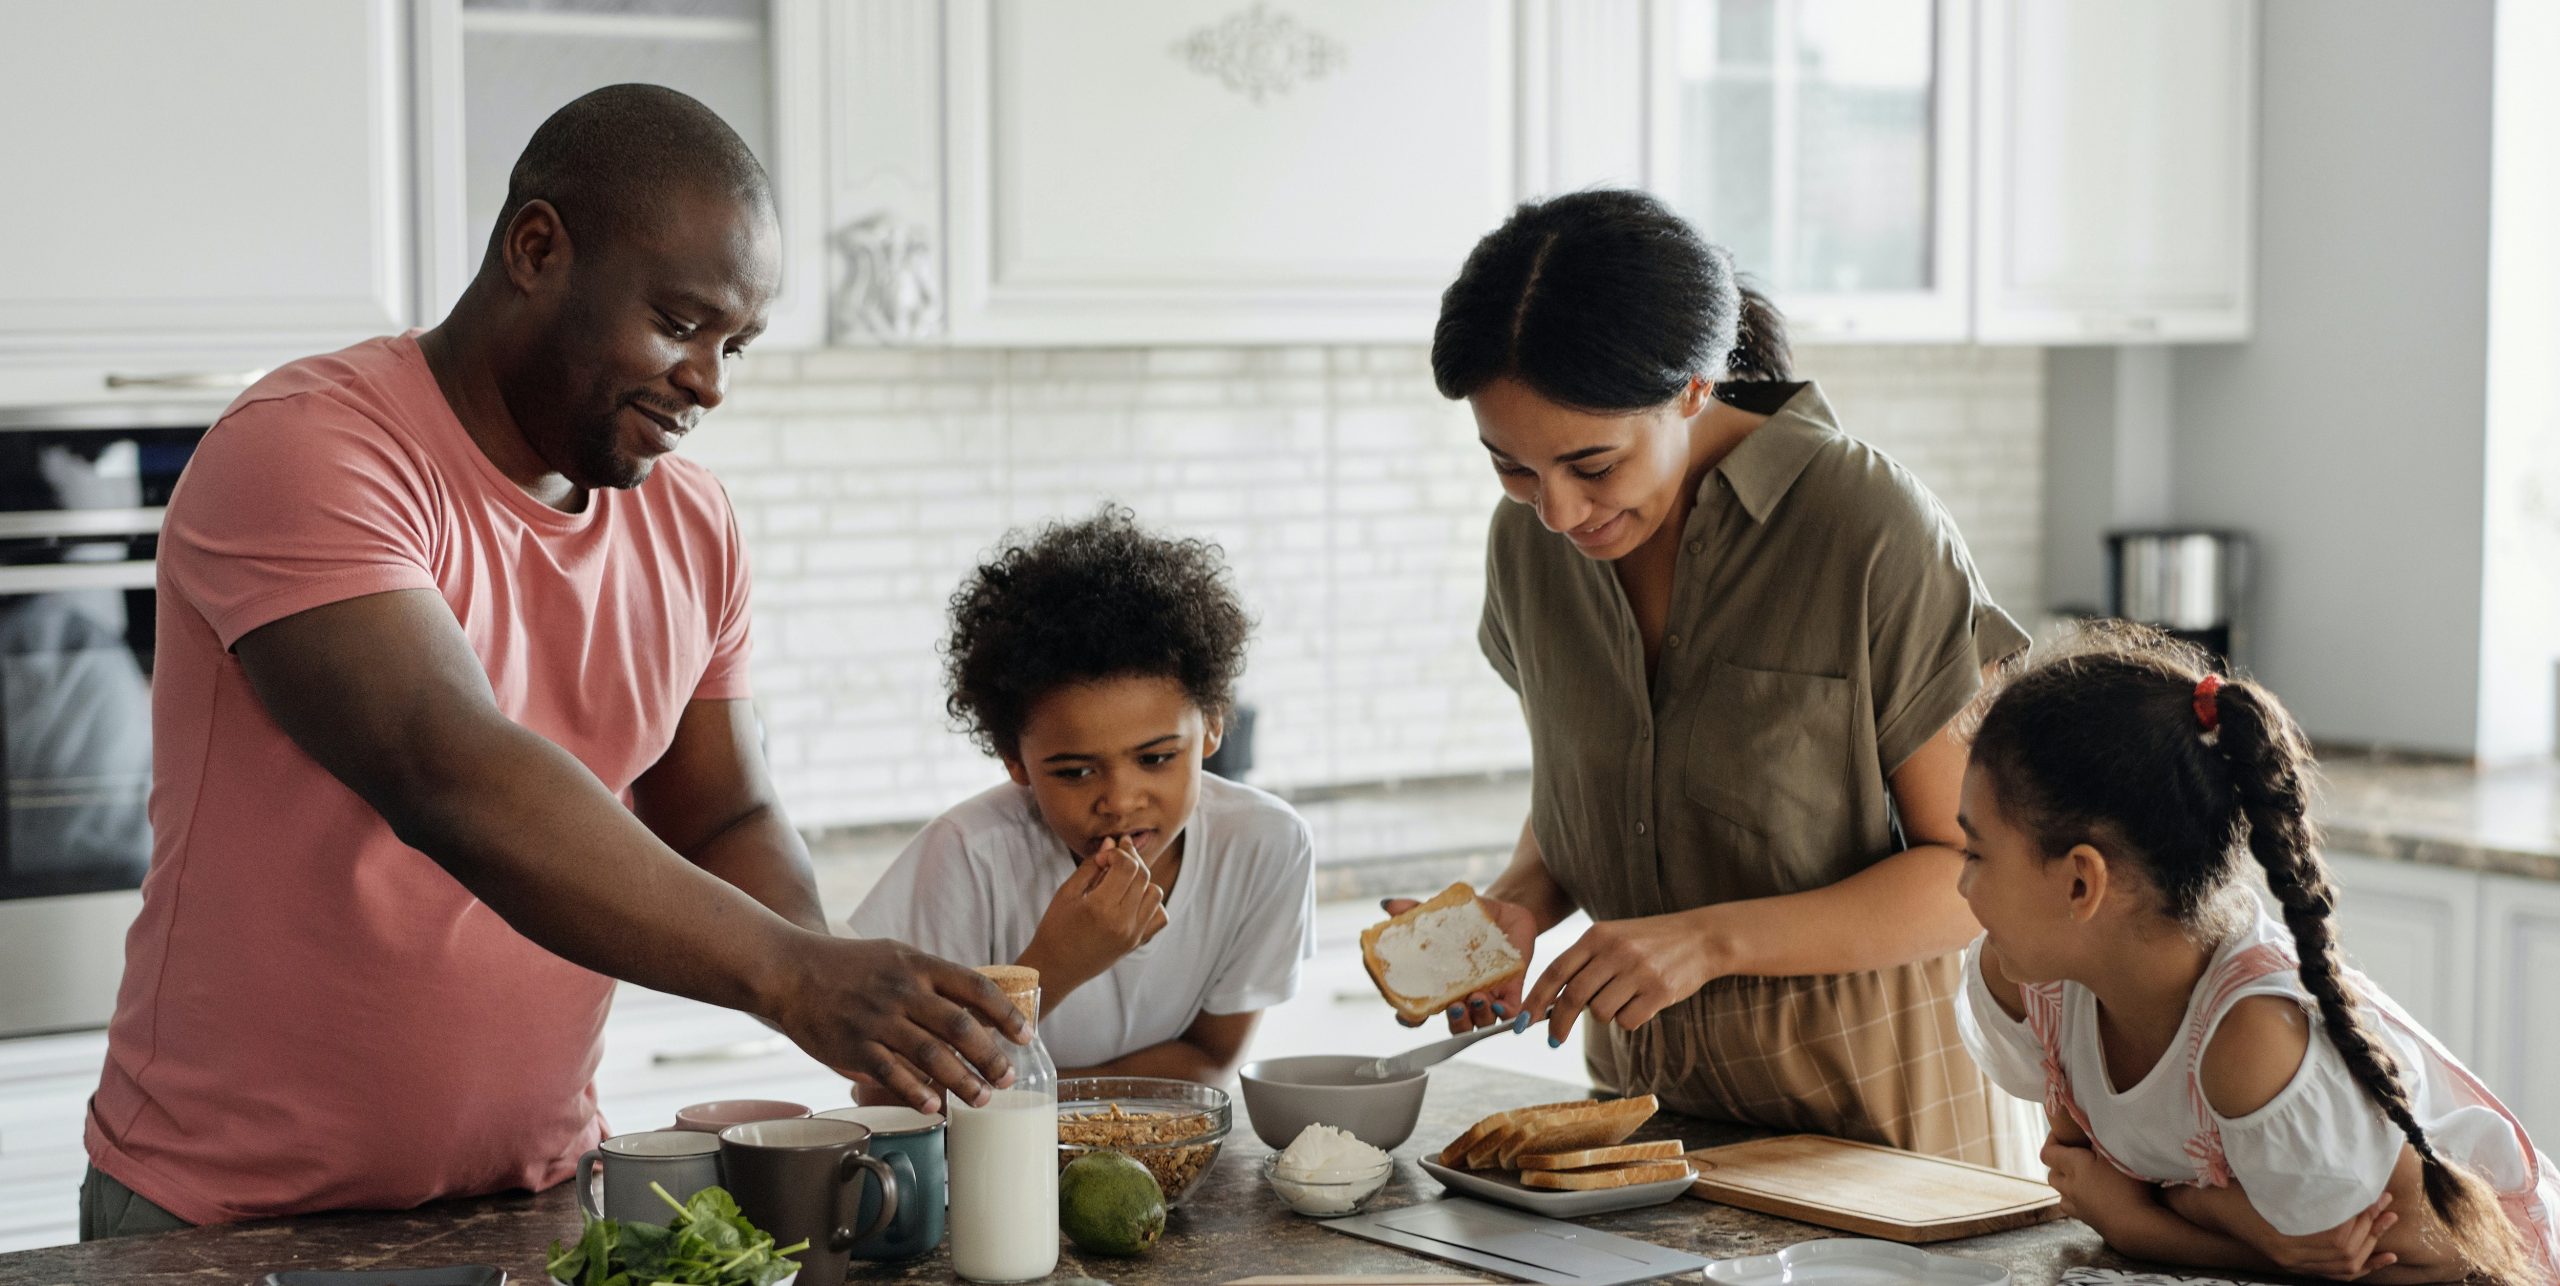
1142	1135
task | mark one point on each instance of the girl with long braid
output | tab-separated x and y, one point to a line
2224	1091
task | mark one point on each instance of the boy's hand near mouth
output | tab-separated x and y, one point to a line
1107	909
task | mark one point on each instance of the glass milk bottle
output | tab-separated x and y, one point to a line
1004	1159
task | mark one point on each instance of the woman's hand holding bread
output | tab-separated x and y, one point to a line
1460	953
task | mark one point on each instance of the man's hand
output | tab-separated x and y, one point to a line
1108	908
884	1013
1502	1004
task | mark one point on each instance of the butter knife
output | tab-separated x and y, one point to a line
1411	1061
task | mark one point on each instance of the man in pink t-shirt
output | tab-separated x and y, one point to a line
450	730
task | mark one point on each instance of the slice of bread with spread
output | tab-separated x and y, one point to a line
1438	953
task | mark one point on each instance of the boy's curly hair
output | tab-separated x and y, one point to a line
1079	602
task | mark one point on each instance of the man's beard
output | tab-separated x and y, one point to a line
594	455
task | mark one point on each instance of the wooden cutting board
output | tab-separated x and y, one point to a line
1869	1190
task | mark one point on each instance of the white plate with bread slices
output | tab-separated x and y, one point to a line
1565	1160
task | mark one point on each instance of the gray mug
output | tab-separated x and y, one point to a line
911	1142
681	1161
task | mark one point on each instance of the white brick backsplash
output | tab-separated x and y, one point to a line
1350	498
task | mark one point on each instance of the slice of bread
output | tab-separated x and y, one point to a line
1485	1136
1505	1137
1584	1125
1439	952
1657	1150
1607	1176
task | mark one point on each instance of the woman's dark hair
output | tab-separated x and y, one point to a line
1602	300
1080	602
2101	742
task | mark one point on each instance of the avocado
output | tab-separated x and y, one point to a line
1109	1204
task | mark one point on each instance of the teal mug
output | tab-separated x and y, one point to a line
911	1142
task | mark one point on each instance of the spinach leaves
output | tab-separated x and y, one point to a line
708	1243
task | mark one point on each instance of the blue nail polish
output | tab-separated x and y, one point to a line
1457	1011
1499	1011
1520	1024
1555	1042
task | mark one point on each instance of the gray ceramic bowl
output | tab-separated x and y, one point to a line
1283	1096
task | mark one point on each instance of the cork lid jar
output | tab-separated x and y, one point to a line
1020	984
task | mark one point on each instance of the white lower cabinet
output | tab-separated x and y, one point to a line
2460	951
2415	930
2519	1017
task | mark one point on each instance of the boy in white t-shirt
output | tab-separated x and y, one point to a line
1164	907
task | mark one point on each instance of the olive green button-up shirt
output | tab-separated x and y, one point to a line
1825	622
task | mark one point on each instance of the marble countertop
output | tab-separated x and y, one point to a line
1232	1227
2504	819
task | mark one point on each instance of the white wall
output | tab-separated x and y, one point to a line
1350	497
2347	433
2520	587
2108	462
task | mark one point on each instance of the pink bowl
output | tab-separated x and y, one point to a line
720	1114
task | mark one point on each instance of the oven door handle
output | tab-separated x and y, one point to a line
53	578
65	524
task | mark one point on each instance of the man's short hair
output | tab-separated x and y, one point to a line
613	159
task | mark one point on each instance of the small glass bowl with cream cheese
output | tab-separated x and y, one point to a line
1327	1173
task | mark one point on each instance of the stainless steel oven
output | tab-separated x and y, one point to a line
82	491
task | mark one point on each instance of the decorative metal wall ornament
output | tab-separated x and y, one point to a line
891	289
1257	52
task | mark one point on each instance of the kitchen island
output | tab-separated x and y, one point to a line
1232	1227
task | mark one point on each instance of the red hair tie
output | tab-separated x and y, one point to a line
2208	711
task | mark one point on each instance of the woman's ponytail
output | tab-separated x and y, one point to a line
1760	349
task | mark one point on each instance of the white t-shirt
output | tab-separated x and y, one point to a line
972	888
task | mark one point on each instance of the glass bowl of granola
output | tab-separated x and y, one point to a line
1173	1128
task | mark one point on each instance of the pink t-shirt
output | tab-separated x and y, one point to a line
315	1015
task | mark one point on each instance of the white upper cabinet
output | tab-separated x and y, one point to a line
491	71
1236	171
187	179
225	183
1824	142
2117	155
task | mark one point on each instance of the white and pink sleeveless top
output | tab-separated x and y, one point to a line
2317	1154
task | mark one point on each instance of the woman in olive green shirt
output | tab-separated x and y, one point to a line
1739	636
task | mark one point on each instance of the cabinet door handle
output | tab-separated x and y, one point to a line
198	380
